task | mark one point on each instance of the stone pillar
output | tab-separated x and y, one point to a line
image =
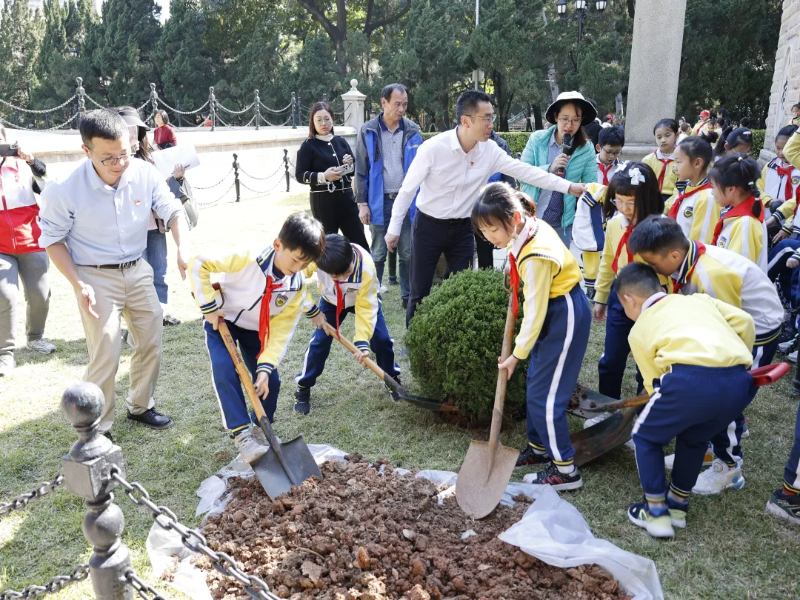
353	106
785	90
655	69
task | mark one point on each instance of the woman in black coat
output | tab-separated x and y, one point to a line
325	162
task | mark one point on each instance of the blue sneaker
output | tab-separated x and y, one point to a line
657	523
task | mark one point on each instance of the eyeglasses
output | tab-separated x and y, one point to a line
486	120
322	121
612	154
114	160
566	121
620	204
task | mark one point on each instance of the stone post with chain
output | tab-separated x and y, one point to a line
154	101
87	473
294	107
257	104
81	106
212	105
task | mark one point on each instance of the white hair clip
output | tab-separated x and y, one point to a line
636	176
740	158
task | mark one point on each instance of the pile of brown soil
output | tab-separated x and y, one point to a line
362	535
580	393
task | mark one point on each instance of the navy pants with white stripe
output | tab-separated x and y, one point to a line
727	443
235	407
690	404
786	277
320	346
616	350
553	372
792	473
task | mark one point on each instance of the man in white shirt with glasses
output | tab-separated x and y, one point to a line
94	227
449	171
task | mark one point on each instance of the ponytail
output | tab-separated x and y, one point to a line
497	204
738	170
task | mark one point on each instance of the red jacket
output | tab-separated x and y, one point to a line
19	231
164	136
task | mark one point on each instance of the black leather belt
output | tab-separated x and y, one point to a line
452	223
118	267
390	196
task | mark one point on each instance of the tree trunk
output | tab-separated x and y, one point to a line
500	100
537	117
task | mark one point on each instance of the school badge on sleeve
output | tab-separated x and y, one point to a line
688	212
281	299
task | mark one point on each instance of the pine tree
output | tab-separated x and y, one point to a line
21	31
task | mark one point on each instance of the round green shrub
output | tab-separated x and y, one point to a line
455	338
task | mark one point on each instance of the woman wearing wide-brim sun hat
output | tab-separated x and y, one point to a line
568	114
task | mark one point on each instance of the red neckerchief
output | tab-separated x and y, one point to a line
622	242
605	170
665	162
676	206
745	209
263	318
339	304
696	250
787	171
514	276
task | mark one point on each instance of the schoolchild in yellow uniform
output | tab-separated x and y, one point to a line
697	268
693	352
741	225
554	330
264	296
634	193
780	181
660	160
347	283
733	141
692	205
588	228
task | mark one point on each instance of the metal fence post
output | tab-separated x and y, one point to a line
257	104
294	106
286	166
324	96
80	93
180	122
87	470
299	109
154	100
212	103
16	117
236	175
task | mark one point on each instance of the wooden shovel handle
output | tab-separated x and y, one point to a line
502	377
241	369
352	348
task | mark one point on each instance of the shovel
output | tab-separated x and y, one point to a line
398	393
488	466
285	464
598	439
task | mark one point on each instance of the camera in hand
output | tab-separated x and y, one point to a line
9	149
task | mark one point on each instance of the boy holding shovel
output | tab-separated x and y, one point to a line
264	296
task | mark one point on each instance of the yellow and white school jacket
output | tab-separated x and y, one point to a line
668	180
588	229
787	216
698	212
689	330
746	236
360	290
547	269
735	280
242	277
606	172
792	149
772	184
615	230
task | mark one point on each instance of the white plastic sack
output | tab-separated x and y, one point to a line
552	530
555	532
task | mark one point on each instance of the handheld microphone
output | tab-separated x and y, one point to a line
567	148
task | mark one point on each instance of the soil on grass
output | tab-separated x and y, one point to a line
366	533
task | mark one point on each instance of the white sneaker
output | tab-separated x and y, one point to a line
793	357
708	460
249	448
44	346
383	289
7	365
595	420
718	478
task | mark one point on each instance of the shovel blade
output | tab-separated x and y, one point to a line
300	465
481	480
598	439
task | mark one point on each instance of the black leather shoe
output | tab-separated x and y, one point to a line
153	419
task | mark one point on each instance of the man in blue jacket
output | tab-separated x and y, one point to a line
386	146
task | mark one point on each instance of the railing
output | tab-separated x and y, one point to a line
93	469
212	114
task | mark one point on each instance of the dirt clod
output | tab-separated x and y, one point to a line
360	535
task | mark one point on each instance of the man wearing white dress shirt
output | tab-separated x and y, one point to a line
449	171
94	227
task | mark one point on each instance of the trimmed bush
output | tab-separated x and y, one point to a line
516	139
455	338
758	141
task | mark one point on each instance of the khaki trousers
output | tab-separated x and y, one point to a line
129	294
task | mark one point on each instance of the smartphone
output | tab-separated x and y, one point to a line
8	149
346	169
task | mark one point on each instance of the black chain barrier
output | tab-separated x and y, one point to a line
45	488
57	583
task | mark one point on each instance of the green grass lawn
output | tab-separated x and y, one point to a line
732	548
